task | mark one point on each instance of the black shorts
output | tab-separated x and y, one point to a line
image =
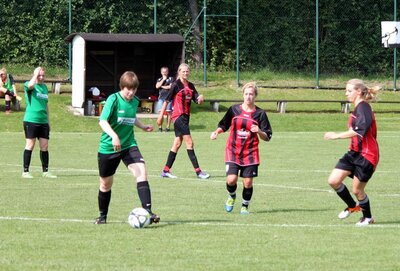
181	125
108	163
357	165
36	130
245	171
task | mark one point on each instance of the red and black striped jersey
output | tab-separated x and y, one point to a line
242	144
182	95
362	121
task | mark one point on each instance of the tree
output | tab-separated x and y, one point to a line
197	52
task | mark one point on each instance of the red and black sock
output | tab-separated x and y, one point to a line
170	161
193	159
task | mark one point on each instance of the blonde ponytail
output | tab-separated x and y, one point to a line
367	93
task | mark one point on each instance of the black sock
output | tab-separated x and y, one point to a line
143	189
366	209
231	190
246	195
193	159
344	194
44	158
8	105
27	159
104	201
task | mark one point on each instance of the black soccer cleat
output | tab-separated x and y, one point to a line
100	220
154	218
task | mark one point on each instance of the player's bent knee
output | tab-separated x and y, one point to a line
334	183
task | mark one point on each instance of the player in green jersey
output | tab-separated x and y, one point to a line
118	143
36	122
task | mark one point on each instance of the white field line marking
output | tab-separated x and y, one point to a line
232	224
44	219
216	170
194	178
393	195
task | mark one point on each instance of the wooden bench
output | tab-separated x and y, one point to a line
55	83
281	104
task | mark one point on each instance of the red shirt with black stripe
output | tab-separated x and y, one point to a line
242	145
362	121
182	95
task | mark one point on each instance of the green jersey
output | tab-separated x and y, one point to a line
8	84
121	115
36	103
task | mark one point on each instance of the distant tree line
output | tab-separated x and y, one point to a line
276	35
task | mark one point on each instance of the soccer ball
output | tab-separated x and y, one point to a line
139	218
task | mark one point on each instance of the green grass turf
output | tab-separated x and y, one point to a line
293	225
299	117
47	224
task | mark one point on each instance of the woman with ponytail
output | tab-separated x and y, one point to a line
360	162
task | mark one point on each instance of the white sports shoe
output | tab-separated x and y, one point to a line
365	221
27	175
348	211
203	175
49	175
168	175
244	210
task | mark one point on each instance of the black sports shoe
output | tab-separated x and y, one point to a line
154	218
100	220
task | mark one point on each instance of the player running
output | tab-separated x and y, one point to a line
247	123
360	162
182	94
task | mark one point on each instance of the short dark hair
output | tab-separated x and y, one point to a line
129	80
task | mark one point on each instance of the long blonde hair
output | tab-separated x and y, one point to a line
180	68
368	94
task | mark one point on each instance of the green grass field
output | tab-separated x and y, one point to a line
293	225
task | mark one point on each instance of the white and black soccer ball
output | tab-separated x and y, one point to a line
139	218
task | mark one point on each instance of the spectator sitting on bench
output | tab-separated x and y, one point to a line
8	89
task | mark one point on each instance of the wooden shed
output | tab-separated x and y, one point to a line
99	60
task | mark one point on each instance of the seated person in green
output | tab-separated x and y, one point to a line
8	89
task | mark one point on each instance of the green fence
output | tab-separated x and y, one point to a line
316	38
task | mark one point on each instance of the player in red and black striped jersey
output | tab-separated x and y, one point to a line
247	123
182	93
360	162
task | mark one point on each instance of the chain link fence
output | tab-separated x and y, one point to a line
308	37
